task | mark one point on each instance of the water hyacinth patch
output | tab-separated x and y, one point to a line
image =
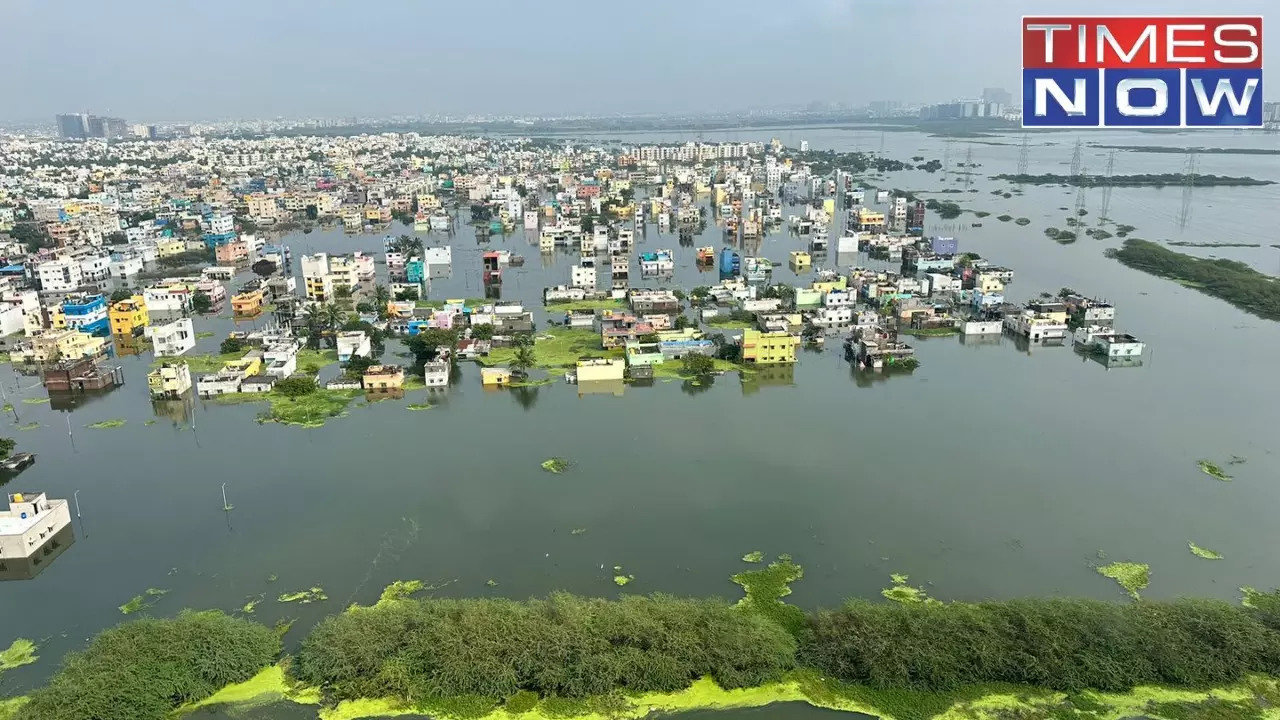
1213	470
1204	552
106	424
306	597
1131	576
555	465
754	556
21	652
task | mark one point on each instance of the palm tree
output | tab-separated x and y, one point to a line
381	296
523	360
334	319
313	320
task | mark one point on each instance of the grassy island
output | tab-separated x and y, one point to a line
1229	280
588	658
1144	180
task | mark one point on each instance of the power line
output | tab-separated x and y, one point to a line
1188	186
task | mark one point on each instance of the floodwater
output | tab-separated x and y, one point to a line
992	471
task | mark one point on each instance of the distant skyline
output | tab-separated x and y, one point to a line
170	60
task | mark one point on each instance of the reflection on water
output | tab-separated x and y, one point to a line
178	410
602	387
768	376
27	568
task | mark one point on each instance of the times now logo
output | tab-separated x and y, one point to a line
1142	72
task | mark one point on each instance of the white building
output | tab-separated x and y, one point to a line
436	374
353	344
62	275
280	360
220	225
125	267
582	276
164	299
95	268
172	339
830	316
29	523
1117	345
981	327
441	257
221	383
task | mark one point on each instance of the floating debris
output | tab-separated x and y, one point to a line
1131	576
156	592
149	423
784	557
555	465
754	556
250	605
21	652
29	426
418	406
577	531
491	582
272	577
1204	552
306	597
1210	468
106	424
1236	460
35	401
621	580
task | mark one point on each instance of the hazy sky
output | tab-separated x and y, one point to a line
158	60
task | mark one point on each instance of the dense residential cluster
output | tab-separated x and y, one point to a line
119	247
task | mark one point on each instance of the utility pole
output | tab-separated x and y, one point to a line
968	165
1188	186
1104	212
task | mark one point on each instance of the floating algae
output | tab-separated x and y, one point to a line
418	406
156	592
400	590
106	424
901	592
21	652
1210	468
1250	594
1203	552
35	401
621	580
29	426
137	603
491	582
555	465
272	577
252	604
1236	460
754	556
577	531
149	423
1131	576
306	597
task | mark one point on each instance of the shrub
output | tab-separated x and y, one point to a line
565	646
231	345
1066	645
142	670
296	386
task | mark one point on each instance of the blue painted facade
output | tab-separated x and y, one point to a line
88	314
414	270
943	245
730	262
417	325
935	264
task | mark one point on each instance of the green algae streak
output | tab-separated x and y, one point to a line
21	652
1213	470
106	424
1204	552
555	465
754	556
134	605
306	597
400	589
267	687
1131	576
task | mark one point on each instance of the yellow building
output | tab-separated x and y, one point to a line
769	348
800	259
168	247
869	220
428	202
170	380
383	378
826	286
262	206
57	318
248	303
55	345
829	207
988	284
128	317
495	377
247	366
598	369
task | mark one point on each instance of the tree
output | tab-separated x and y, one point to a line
296	386
426	345
313	322
648	338
697	364
524	359
201	303
588	223
381	296
231	345
482	332
121	294
364	308
6	447
358	364
681	322
334	318
264	268
678	293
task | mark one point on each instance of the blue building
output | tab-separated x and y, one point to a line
414	270
730	262
87	313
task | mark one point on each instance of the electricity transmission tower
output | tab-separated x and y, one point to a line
1022	156
1077	176
946	160
1104	211
968	167
1076	159
1188	186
